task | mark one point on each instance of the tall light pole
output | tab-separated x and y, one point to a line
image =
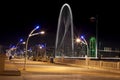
85	42
30	35
96	35
17	45
26	47
96	19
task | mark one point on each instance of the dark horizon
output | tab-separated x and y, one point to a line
17	20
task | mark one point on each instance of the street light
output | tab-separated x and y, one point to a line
85	42
78	40
23	42
43	46
27	46
41	32
18	44
30	35
77	46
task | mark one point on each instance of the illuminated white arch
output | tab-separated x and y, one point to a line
66	27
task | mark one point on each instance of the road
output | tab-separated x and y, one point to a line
36	70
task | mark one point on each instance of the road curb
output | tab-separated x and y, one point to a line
10	73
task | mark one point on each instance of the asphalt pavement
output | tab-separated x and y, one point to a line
44	71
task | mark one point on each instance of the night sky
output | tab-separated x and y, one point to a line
17	19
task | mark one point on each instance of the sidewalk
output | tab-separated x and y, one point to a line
10	69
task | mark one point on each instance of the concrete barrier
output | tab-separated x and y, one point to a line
113	66
2	62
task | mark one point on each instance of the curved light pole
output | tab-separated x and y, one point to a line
85	42
17	45
30	35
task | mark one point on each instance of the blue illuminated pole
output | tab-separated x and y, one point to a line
27	46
